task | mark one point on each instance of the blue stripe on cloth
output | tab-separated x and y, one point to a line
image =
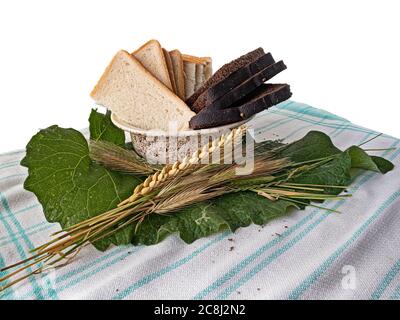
14	234
394	270
12	153
85	267
305	127
14	176
337	131
104	266
396	294
314	112
313	277
9	164
272	257
350	127
82	268
29	232
37	291
27	208
300	115
23	210
230	274
9	293
150	277
28	243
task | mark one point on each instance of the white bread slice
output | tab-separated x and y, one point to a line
200	78
207	68
151	56
202	68
138	98
177	65
189	69
170	69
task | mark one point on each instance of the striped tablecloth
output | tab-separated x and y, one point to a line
311	254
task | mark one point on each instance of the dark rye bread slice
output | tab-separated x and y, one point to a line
225	71
266	96
232	81
245	88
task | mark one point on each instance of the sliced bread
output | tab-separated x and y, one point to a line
231	82
200	78
136	97
266	96
263	98
168	60
189	68
225	71
200	66
177	66
247	86
151	56
207	70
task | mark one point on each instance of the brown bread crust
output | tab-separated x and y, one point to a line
232	81
247	87
225	71
263	98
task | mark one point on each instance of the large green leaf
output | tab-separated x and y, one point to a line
69	186
102	128
314	145
231	212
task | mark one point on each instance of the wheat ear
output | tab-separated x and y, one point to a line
180	167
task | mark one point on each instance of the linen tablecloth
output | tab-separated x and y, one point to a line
310	254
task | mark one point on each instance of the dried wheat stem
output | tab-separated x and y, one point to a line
179	167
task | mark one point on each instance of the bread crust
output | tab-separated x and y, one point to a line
225	71
265	97
170	70
106	72
178	72
161	54
230	83
133	60
247	86
200	60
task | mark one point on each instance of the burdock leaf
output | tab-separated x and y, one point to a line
361	160
383	165
230	211
314	145
334	173
244	208
102	128
69	186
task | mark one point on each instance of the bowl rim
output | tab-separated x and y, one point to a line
156	132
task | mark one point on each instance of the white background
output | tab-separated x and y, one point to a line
343	56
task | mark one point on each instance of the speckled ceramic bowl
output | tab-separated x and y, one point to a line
164	147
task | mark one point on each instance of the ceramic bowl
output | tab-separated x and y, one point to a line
166	147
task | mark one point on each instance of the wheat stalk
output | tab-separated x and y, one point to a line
119	159
182	167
